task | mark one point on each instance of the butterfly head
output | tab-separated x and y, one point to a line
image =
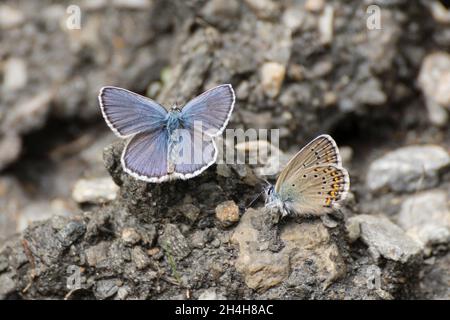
275	202
173	120
175	108
270	189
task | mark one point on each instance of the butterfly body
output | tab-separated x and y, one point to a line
280	202
166	145
174	121
313	182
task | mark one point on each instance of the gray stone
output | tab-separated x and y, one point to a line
41	210
211	294
328	221
173	242
223	170
220	12
426	217
371	92
385	239
106	288
10	148
29	114
263	9
4	264
216	243
434	80
95	190
122	293
15	74
7	285
346	153
408	169
190	211
140	258
293	17
437	114
132	4
93	154
71	232
326	25
97	254
439	11
199	239
434	77
434	282
10	17
147	233
353	230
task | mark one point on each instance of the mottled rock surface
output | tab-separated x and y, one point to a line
305	246
434	79
227	213
97	190
385	239
426	217
408	169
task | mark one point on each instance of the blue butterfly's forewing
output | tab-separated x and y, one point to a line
212	109
128	113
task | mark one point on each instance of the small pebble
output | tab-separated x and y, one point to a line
15	74
140	258
10	17
314	5
130	236
272	76
227	213
95	190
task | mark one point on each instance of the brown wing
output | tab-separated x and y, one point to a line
317	189
321	150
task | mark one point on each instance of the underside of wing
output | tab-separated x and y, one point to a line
315	190
321	150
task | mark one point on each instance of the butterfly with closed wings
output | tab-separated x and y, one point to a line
313	182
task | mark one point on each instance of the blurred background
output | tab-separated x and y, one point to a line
373	74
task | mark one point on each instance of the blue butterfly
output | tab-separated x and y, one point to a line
156	135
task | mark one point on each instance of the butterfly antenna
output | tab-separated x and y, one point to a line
266	182
254	200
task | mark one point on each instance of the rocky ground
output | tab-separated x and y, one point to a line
69	228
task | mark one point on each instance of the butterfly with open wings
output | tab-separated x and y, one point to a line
156	136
